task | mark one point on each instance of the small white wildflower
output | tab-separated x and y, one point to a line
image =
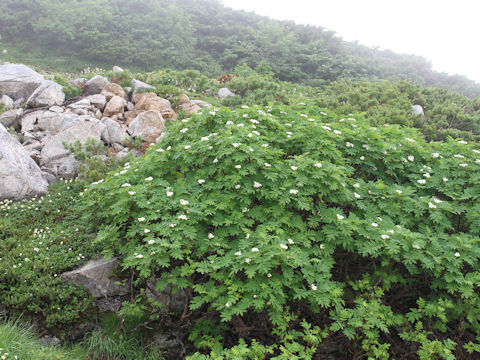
318	165
131	193
139	256
411	158
408	139
240	125
184	130
257	184
212	113
362	158
238	166
294	191
146	231
141	219
236	145
269	275
169	193
247	236
215	160
238	253
349	144
36	249
290	241
149	178
358	196
438	201
205	138
229	122
201	181
427	175
399	191
457	254
151	242
238	186
227	305
421	181
463	165
356	185
462	142
186	147
211	236
254	249
244	210
322	246
160	150
415	246
169	148
244	107
267	165
182	217
385	236
314	287
294	168
283	246
340	217
374	224
435	155
265	145
184	202
458	156
338	132
126	185
253	121
445	179
173	225
247	260
245	115
431	206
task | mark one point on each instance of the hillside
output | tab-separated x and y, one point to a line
146	35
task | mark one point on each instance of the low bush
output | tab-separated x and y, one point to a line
304	234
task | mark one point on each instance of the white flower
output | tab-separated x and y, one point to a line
236	145
445	179
139	256
269	275
238	166
431	206
247	260
476	151
362	158
459	156
399	191
184	130
318	165
253	121
408	139
385	237
215	160
184	202
205	138
257	184
169	148
211	236
238	186
457	254
267	165
283	246
349	144
36	249
438	201
357	185
255	249
463	165
340	217
410	158
247	236
186	147
244	107
427	175
141	219
326	127
149	178
421	181
146	231
227	305
229	122
374	224
245	115
151	242
238	253
201	181
314	287
131	193
126	185
322	246
182	217
173	225
244	210
435	155
462	142
290	241
160	150
338	132
294	191
240	125
415	246
294	167
169	193
265	145
212	113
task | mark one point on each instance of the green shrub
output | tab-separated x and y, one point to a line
69	90
279	221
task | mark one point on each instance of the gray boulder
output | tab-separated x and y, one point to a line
149	125
224	93
95	277
113	132
418	110
95	85
114	106
20	176
98	100
18	81
47	94
28	121
117	69
54	122
140	85
78	82
9	117
7	102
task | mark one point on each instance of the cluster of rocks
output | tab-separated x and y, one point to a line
34	155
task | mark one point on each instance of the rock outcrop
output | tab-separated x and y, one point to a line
48	93
19	81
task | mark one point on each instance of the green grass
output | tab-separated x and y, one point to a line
20	342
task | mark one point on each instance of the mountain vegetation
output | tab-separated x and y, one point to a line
197	34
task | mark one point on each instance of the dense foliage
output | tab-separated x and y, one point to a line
197	34
313	234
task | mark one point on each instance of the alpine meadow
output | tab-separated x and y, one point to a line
235	187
